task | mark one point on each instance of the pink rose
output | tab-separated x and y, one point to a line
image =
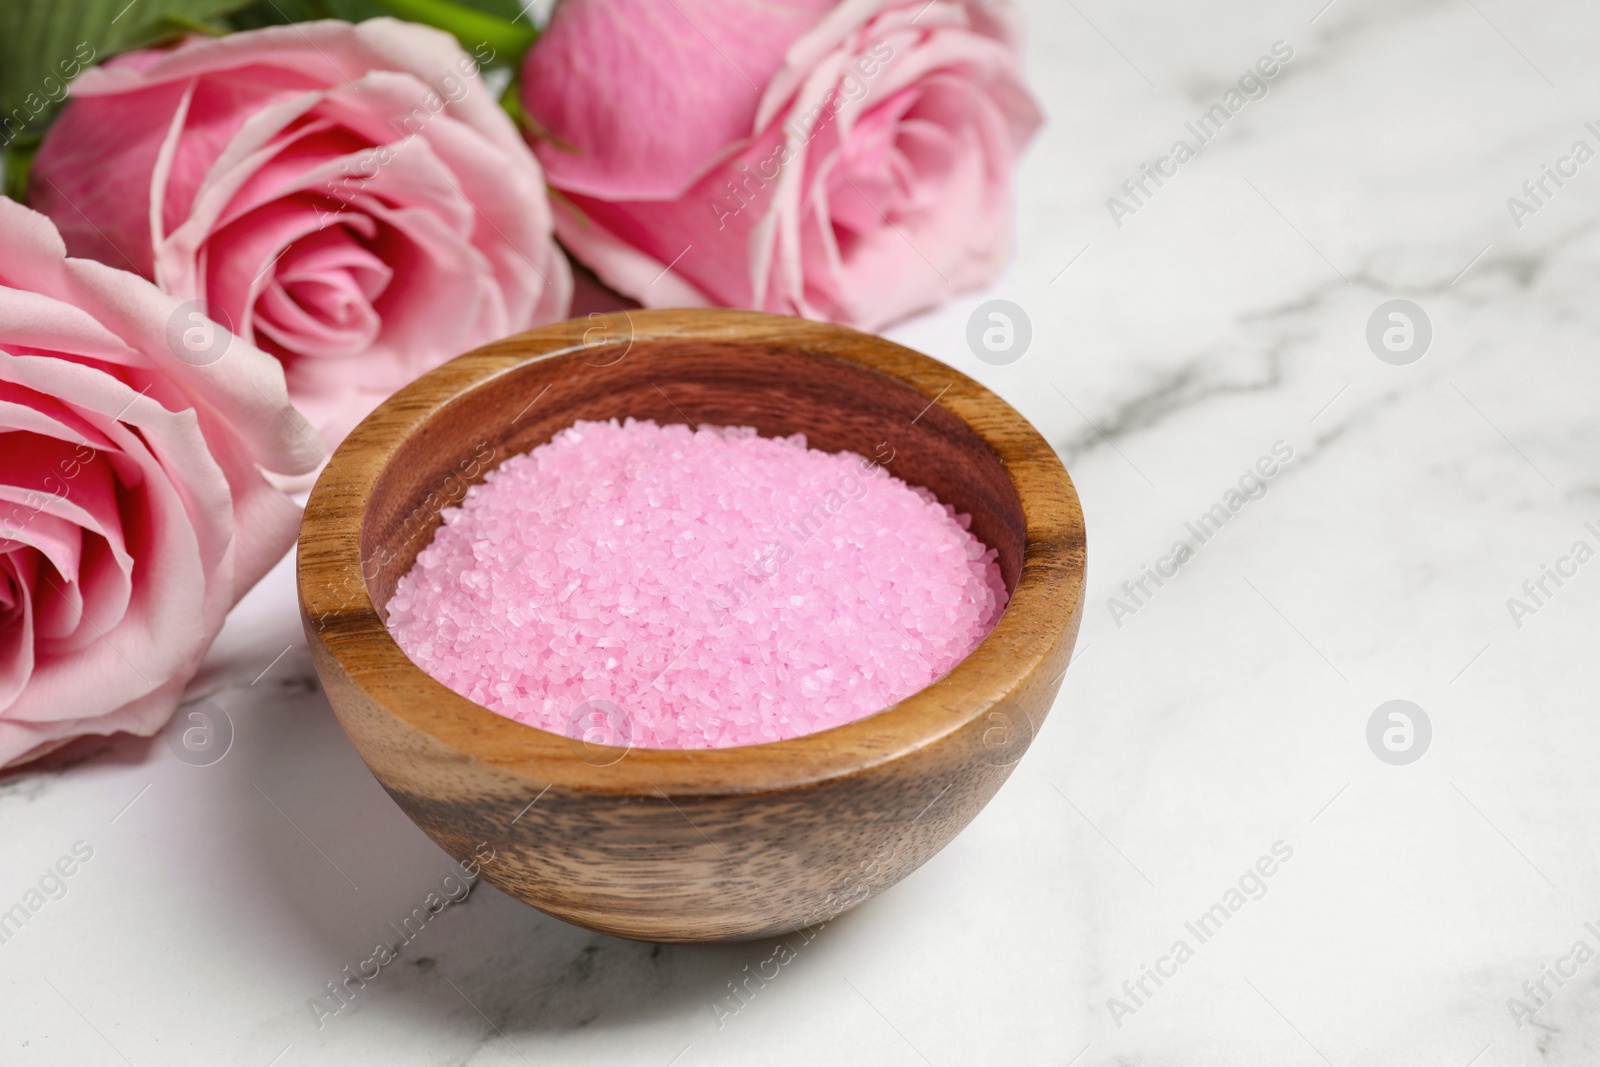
850	162
351	199
132	512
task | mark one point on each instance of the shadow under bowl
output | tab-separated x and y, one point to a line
691	844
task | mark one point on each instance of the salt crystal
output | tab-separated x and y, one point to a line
720	587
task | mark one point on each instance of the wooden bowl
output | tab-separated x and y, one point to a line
703	844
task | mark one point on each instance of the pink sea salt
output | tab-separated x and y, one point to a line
705	587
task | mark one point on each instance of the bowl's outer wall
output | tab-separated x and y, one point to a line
709	868
710	844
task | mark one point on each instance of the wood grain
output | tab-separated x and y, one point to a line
692	845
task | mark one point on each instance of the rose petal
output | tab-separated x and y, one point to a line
126	481
624	149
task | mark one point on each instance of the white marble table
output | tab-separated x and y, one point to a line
1227	714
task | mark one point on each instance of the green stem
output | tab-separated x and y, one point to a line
511	102
18	161
186	25
473	28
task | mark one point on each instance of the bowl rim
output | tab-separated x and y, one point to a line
1034	635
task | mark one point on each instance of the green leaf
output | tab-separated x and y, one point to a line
510	37
258	13
498	23
44	44
261	13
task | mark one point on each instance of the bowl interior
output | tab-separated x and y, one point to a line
378	503
778	389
